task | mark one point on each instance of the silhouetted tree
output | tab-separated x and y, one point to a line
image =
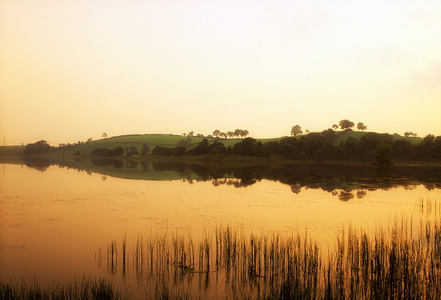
296	130
145	149
184	142
217	147
429	148
402	149
250	147
130	151
201	148
361	126
230	134
216	133
39	147
346	124
408	134
118	151
223	134
104	135
383	153
335	126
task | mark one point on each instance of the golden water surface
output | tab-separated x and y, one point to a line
54	224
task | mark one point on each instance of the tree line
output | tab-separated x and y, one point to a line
247	146
238	133
344	124
319	146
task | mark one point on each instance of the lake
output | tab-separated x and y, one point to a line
145	226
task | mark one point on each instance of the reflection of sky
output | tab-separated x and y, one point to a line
53	222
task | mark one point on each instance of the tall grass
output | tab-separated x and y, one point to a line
85	289
402	261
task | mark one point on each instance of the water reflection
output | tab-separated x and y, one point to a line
344	181
53	222
226	263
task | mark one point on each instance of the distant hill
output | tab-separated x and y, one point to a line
11	150
153	140
342	136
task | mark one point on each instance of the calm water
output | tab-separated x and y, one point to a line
58	224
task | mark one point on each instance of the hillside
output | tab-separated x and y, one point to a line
153	140
342	136
11	151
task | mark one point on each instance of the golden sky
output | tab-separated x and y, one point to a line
73	69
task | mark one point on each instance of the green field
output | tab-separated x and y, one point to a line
165	140
152	140
11	151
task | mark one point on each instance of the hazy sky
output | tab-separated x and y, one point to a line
73	69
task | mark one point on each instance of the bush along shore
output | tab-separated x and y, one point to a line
400	262
328	145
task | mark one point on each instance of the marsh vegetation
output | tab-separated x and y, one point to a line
87	288
402	261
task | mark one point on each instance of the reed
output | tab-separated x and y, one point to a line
402	260
86	289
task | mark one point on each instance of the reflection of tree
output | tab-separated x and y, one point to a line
345	196
296	188
236	182
131	164
145	165
430	186
361	194
38	163
108	162
353	180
